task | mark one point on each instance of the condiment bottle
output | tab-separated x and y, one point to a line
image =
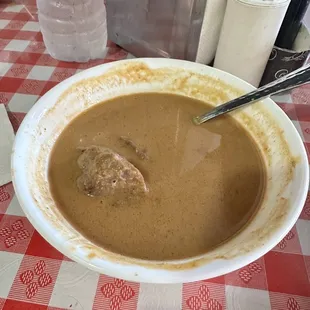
247	37
73	30
292	23
210	30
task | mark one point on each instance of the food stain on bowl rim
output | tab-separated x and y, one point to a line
130	76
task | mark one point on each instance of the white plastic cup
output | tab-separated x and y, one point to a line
249	31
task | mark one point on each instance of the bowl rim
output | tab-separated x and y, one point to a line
172	277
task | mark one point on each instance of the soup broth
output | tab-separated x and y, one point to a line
204	183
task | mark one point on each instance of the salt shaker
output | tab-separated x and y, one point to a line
247	37
74	30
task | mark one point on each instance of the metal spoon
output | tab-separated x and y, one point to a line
294	79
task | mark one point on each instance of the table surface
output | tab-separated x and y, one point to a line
34	275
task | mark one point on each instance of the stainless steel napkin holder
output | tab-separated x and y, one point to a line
156	28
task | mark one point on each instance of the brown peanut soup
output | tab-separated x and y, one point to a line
135	176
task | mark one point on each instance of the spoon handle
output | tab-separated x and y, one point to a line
296	78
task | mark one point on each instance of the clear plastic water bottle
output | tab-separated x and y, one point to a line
73	30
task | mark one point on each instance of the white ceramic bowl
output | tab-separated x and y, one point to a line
282	148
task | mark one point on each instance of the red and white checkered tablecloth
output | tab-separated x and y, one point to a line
34	275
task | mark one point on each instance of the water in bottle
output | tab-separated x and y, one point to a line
73	30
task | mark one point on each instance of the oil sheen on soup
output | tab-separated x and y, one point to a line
190	187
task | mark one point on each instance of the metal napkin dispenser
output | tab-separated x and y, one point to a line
158	28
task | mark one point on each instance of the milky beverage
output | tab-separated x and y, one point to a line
73	30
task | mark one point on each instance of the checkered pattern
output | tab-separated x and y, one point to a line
34	275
